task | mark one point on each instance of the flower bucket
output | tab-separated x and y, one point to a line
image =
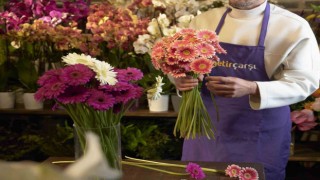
176	102
110	140
159	105
30	102
7	100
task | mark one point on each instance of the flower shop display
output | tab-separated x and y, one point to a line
95	95
189	53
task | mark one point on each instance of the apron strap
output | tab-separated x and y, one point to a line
264	26
218	29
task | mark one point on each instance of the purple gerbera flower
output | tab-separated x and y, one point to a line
49	76
77	74
74	94
100	100
195	171
129	74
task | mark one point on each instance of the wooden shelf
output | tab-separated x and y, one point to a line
305	152
42	112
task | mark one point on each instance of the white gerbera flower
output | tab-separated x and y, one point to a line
74	58
104	73
155	92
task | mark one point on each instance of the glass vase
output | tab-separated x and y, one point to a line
110	140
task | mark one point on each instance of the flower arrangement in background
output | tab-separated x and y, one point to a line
189	53
305	114
314	20
94	94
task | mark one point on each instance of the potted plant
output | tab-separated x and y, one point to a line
7	77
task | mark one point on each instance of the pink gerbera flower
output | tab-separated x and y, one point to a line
129	74
77	74
206	50
125	95
233	170
195	171
208	36
49	77
100	100
186	53
248	173
74	94
201	66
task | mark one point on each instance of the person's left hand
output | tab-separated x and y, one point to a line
230	86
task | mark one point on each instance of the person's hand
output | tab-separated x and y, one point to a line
231	86
187	83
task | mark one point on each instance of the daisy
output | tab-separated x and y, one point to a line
76	74
233	170
74	58
248	173
201	66
195	171
100	100
105	73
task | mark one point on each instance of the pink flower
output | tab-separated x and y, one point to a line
208	36
195	171
201	66
248	173
304	119
77	74
233	170
186	53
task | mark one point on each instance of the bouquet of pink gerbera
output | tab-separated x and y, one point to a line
189	52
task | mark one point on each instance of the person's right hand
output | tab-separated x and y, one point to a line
187	83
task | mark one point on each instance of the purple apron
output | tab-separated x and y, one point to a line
243	134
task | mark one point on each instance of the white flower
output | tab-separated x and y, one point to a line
104	73
185	20
155	92
158	3
170	31
163	20
143	44
153	28
74	58
16	44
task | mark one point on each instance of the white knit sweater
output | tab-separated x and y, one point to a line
292	58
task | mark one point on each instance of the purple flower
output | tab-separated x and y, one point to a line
129	74
74	94
49	77
195	171
77	74
100	100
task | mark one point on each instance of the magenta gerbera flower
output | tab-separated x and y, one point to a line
74	94
186	53
100	100
49	77
201	66
233	170
125	95
129	74
208	36
195	171
206	50
248	173
77	74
